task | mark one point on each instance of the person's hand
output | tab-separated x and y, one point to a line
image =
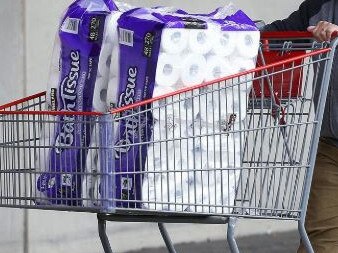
323	31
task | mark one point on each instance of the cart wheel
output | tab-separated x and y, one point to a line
166	238
231	235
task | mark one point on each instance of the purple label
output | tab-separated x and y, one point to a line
182	21
81	35
237	22
111	5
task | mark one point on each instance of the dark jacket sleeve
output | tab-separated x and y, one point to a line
299	19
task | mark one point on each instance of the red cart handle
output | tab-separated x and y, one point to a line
286	34
291	35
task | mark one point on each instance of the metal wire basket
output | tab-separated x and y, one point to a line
240	146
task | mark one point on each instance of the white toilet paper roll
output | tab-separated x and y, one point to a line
240	105
110	40
100	94
90	186
197	133
186	112
54	75
113	83
201	191
42	157
227	182
237	94
193	69
226	100
220	142
238	139
108	34
159	106
163	157
214	105
198	128
185	194
181	199
208	191
171	187
111	31
201	41
192	199
114	70
200	197
55	63
208	109
202	200
167	72
146	195
162	90
216	160
174	40
188	147
105	60
169	129
224	43
221	194
149	192
216	68
111	35
54	80
196	161
183	105
47	131
242	64
91	180
174	189
248	43
230	68
168	108
221	160
162	193
41	161
161	110
112	96
154	162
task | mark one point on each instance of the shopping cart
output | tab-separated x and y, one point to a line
242	146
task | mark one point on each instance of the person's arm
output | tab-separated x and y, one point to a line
298	20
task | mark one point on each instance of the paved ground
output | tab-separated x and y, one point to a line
273	243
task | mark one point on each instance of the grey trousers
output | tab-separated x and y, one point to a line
322	215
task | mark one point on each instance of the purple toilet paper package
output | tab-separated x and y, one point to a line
139	45
140	33
80	32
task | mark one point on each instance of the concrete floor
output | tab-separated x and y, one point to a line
286	242
61	232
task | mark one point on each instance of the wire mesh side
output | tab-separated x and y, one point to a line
224	149
43	165
280	158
